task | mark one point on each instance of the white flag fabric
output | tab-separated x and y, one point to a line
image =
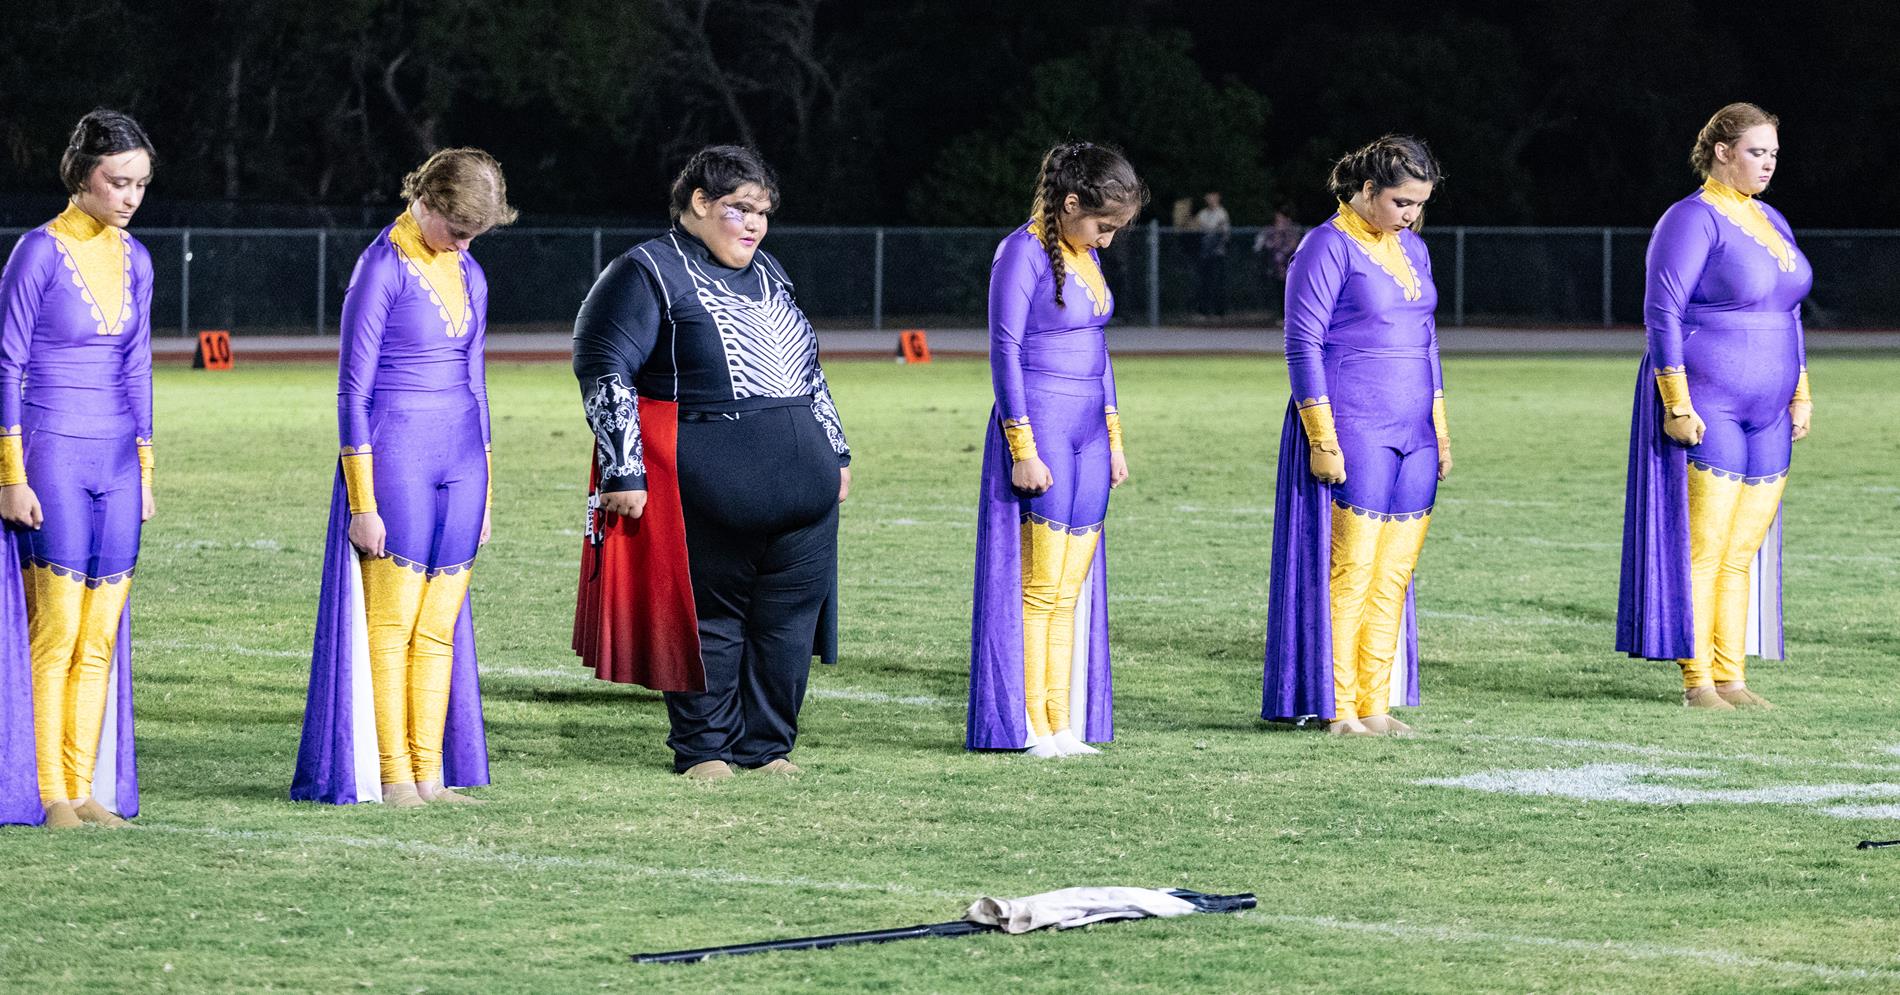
1073	907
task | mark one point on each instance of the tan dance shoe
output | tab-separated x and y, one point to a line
708	770
1738	694
1705	697
91	811
60	815
433	792
1386	725
782	767
401	795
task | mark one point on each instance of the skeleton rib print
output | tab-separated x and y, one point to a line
770	350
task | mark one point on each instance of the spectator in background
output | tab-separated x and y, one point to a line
1274	245
1214	226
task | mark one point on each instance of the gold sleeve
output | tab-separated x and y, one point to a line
146	463
1317	418
12	457
1022	442
1801	395
1672	383
1441	424
359	480
1114	419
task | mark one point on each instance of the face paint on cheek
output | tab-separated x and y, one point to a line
733	215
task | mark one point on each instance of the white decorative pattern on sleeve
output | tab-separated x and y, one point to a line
827	412
611	413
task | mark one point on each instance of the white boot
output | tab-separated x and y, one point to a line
1043	746
1069	745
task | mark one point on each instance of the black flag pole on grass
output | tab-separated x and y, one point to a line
957	927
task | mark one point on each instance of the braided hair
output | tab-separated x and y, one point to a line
1103	183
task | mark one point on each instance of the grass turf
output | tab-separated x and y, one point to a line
1370	881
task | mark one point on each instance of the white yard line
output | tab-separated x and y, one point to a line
1621	949
506	858
1659	752
181	646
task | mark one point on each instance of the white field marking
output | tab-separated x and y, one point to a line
1511	620
1660	752
267	545
1508	502
1863	811
1539	541
720	876
879	697
1623	948
182	646
1195	509
1630	783
506	858
1895	750
838	694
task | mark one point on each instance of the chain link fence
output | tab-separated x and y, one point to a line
282	281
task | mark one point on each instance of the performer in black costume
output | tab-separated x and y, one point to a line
698	331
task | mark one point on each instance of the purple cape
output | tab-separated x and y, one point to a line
1655	615
337	761
1299	667
115	778
998	718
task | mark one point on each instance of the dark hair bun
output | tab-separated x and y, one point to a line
99	134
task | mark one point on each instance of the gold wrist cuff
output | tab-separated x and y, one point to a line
1317	418
1114	419
12	458
1441	424
1801	395
146	462
359	480
1022	442
1673	386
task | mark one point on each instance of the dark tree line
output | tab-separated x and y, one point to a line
935	111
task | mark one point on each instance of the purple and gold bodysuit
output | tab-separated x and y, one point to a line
1362	355
1039	646
1722	306
412	416
76	426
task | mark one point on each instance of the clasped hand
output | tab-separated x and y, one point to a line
1684	426
20	507
1802	415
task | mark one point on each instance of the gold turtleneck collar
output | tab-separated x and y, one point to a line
439	272
1745	212
95	253
1357	226
1082	264
77	225
1383	248
407	235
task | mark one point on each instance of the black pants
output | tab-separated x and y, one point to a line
761	501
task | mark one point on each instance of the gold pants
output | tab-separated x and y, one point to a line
1728	521
411	618
72	632
1055	566
1373	557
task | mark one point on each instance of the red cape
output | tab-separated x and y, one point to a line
634	621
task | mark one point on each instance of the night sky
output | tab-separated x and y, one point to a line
935	111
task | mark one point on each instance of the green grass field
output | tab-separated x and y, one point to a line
1738	874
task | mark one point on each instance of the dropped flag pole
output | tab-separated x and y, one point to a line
1013	916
